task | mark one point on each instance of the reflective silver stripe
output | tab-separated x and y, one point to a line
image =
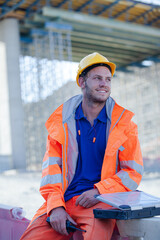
109	107
72	151
126	180
68	115
52	161
133	165
50	179
118	119
64	158
117	161
121	148
107	129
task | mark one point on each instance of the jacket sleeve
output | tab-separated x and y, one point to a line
130	165
51	182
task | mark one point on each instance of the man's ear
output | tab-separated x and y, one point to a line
81	82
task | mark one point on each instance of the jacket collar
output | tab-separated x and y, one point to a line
69	107
67	110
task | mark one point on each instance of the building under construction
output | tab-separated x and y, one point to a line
41	43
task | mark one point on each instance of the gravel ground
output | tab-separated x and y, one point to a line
21	189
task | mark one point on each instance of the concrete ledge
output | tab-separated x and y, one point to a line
140	229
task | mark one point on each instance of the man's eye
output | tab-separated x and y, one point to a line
97	78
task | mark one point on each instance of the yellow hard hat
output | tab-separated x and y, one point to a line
93	59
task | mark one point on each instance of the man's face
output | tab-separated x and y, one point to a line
97	85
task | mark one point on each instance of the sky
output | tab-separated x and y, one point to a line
150	1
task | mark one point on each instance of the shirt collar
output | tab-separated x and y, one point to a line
79	112
101	117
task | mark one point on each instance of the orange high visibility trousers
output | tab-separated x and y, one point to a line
96	229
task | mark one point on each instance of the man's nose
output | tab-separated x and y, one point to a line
103	82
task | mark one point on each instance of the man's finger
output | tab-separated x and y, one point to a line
78	200
59	226
63	229
54	226
71	220
83	202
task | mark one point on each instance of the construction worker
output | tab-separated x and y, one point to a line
92	148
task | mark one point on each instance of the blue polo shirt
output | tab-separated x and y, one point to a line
90	157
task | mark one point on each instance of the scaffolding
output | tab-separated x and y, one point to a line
139	91
45	66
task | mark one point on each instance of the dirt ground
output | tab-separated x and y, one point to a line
21	189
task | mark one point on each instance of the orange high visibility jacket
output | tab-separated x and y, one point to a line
122	164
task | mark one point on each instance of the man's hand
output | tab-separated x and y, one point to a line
87	198
58	219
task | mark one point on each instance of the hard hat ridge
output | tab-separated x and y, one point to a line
86	70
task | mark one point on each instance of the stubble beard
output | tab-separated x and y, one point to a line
91	98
